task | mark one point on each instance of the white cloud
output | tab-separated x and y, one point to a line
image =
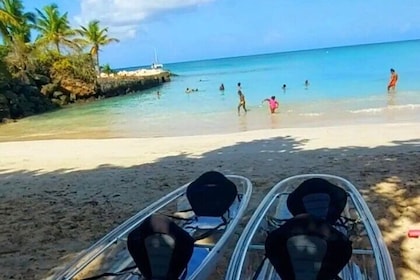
123	17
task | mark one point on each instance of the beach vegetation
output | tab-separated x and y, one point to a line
94	37
7	19
54	29
16	24
40	51
106	68
5	76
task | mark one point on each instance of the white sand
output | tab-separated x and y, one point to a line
59	196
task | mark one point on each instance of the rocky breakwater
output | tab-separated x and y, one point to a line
125	82
18	100
43	94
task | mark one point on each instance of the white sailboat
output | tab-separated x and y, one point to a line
156	64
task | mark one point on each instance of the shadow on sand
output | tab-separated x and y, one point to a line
48	226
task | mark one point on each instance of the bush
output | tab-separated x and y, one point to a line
5	77
77	66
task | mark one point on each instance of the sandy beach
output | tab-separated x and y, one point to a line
59	196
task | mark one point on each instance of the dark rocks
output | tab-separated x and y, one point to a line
40	80
19	100
4	108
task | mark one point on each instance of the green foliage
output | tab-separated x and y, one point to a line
23	59
107	69
95	37
44	62
4	50
82	67
17	24
20	59
77	66
5	77
54	28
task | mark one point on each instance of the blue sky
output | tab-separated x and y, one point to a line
184	30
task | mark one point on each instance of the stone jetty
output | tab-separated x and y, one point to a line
44	94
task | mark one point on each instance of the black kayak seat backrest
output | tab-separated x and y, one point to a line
211	194
160	248
318	197
307	248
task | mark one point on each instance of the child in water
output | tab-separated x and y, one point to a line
272	104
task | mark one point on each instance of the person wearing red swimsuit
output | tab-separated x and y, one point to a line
392	80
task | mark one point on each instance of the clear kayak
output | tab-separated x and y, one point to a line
189	218
283	238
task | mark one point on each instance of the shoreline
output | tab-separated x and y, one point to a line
71	125
60	196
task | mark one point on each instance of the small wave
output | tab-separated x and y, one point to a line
311	114
390	107
368	110
406	106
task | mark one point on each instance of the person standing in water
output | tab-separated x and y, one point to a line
273	104
239	87
241	102
284	87
392	80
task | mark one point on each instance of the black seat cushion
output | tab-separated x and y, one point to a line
160	248
307	247
318	197
211	194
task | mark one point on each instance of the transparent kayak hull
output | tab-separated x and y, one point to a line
370	257
110	254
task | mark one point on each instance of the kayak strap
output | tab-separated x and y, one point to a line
257	272
121	272
210	231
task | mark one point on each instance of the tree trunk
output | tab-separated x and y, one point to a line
57	45
97	61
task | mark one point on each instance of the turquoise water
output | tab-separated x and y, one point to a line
347	85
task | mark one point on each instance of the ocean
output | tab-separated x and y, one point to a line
347	85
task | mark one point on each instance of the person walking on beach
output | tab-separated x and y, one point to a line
392	80
306	84
273	104
284	87
241	102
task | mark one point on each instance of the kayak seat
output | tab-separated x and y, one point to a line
211	194
160	249
318	197
307	247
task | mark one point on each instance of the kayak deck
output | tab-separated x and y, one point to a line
110	255
370	258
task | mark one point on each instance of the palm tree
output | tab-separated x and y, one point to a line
54	28
95	37
17	37
13	20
